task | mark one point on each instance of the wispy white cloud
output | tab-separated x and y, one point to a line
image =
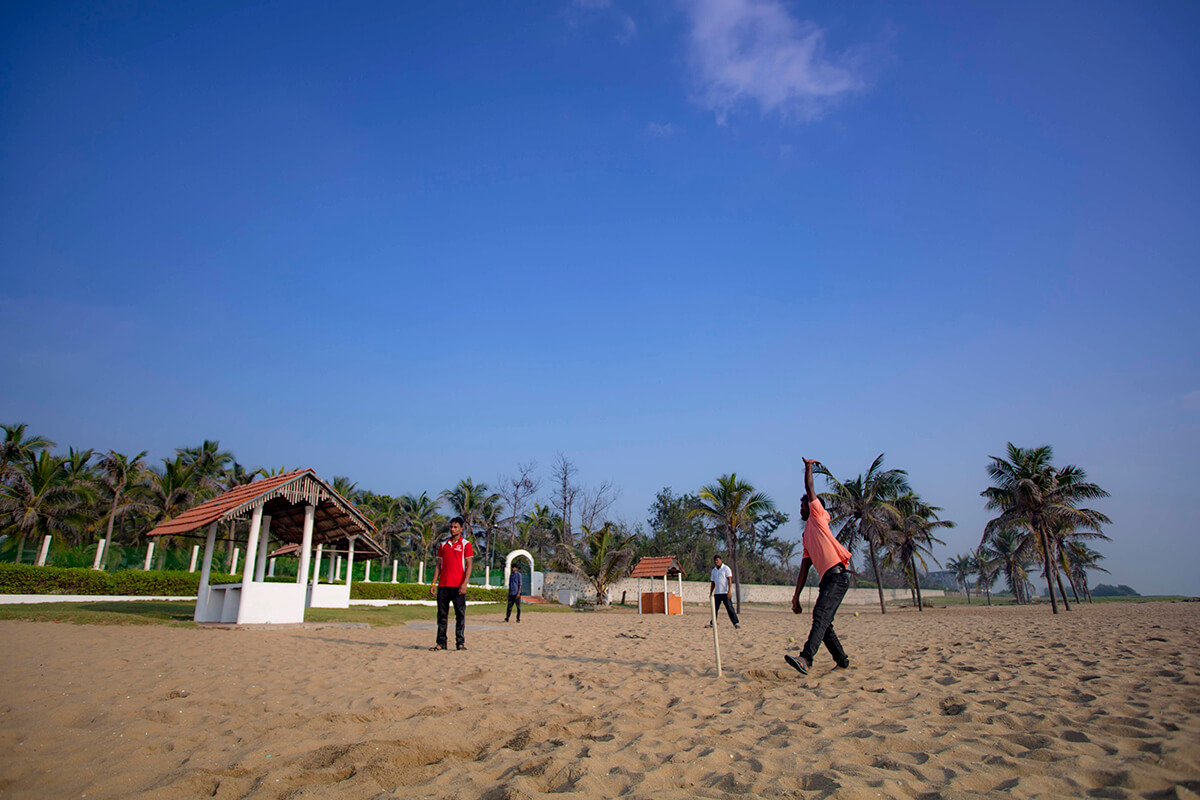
755	52
662	131
582	11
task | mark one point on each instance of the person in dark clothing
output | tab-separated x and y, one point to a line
514	595
826	553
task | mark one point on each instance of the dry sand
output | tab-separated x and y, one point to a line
960	702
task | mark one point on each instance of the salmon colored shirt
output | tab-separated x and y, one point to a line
820	546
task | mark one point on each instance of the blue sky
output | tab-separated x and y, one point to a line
415	242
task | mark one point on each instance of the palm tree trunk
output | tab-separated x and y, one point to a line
988	589
20	547
967	589
1049	570
878	579
1074	589
731	542
112	513
916	584
1062	592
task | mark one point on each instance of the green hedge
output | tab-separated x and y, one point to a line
24	579
417	591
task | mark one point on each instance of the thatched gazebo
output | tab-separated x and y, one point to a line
296	507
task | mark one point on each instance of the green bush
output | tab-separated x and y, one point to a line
417	591
22	579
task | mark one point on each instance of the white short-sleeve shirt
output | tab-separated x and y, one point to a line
720	577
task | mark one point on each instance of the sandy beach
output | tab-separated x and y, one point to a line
957	702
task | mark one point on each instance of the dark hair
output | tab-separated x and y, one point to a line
716	556
459	520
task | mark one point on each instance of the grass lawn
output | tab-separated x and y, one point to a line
164	612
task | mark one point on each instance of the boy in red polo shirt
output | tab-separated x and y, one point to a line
450	575
826	553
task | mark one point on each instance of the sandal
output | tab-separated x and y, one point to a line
436	647
796	664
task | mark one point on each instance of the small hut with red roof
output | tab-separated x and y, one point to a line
666	601
296	507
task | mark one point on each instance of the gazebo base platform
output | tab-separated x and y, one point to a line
652	603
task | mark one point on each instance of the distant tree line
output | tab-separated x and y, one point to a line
82	496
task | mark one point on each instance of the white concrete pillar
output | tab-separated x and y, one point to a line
99	554
149	556
271	569
195	555
43	551
237	552
395	566
421	573
205	571
367	572
350	562
680	577
317	565
306	544
264	539
337	569
332	564
252	546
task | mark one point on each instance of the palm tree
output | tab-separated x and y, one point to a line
963	568
603	559
787	551
172	489
420	521
17	447
208	463
347	488
1009	553
862	510
38	498
911	538
983	566
731	506
472	502
119	475
1032	495
1081	558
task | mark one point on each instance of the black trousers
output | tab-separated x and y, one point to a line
445	596
513	600
834	584
723	600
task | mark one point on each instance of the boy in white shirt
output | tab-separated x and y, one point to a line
718	585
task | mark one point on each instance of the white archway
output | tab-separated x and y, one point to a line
508	567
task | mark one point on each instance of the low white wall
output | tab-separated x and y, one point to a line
697	591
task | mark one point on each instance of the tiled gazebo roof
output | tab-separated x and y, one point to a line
657	567
283	497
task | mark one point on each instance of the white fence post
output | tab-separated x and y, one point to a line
43	551
421	573
271	568
337	569
99	554
195	555
149	555
395	566
367	573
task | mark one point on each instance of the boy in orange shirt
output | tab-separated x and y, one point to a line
826	553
